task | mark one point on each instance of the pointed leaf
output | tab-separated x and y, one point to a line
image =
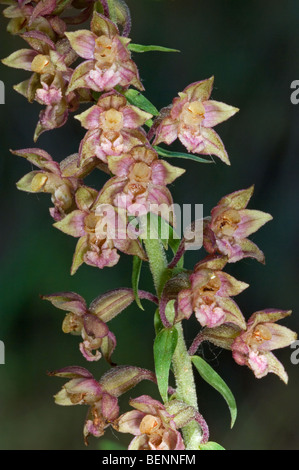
157	322
141	48
213	379
164	347
189	156
136	98
137	264
211	446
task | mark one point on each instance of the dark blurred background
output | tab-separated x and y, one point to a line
252	49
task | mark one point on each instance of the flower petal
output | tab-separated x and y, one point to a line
130	422
217	112
21	59
213	145
68	301
165	173
80	75
200	90
72	224
90	118
251	221
83	43
134	117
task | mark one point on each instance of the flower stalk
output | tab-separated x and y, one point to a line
123	130
181	361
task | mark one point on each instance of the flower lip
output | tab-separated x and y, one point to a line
111	120
260	334
141	172
42	64
150	424
193	114
227	222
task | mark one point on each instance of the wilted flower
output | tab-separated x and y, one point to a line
101	397
48	85
108	61
101	231
60	180
191	118
112	126
82	321
253	347
91	322
209	295
230	224
27	15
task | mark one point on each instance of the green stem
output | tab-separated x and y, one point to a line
182	365
185	388
158	263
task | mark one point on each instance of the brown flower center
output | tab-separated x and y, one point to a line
206	293
72	323
228	222
77	397
135	189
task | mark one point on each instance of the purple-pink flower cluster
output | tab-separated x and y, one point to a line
122	139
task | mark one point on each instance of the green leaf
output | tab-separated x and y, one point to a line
211	446
107	444
189	156
164	347
213	379
149	123
141	48
157	322
137	99
61	6
137	264
98	7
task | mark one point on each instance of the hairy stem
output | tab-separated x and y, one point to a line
158	263
186	391
182	365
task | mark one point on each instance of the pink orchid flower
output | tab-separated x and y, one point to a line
191	118
230	224
107	62
113	127
209	295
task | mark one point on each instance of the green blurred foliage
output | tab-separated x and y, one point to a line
252	49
